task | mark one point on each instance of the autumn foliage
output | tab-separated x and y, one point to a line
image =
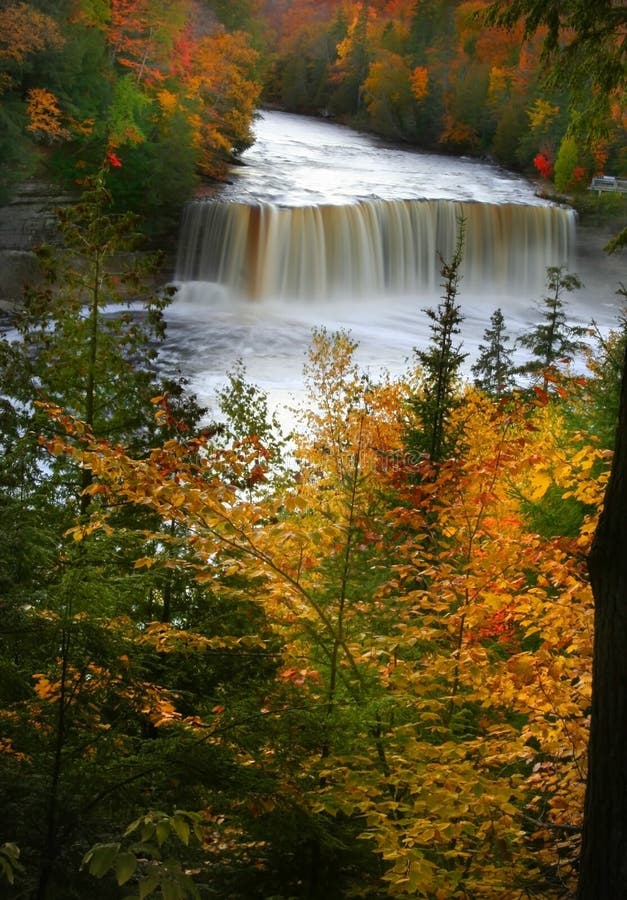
431	73
543	165
413	644
354	662
178	83
169	81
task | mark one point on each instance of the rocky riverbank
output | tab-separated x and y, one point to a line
31	219
28	220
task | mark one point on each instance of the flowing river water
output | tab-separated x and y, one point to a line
325	226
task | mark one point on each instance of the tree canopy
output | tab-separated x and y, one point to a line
173	89
358	662
170	89
236	672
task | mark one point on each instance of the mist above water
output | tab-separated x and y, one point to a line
311	232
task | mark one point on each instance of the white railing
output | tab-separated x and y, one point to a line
602	183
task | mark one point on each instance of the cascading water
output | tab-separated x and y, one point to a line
369	248
324	226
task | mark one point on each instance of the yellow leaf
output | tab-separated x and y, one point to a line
540	483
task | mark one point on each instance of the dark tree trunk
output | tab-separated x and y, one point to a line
603	869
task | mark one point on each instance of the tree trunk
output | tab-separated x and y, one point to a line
603	864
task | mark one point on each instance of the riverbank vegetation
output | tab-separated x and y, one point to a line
438	75
172	89
167	87
358	663
357	668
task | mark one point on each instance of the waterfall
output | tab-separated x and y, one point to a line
369	248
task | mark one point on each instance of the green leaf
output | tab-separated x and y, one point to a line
148	829
7	870
146	848
162	831
125	866
148	884
181	829
9	861
133	826
11	852
172	891
102	858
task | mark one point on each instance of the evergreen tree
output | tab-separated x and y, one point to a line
424	28
600	395
85	341
80	344
581	42
493	371
440	362
552	340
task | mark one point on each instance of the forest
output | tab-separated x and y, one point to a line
355	660
171	88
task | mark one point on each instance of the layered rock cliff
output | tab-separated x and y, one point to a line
28	220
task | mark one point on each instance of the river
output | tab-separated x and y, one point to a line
325	226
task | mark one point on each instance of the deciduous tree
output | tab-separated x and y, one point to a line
389	96
424	649
222	83
584	44
24	30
